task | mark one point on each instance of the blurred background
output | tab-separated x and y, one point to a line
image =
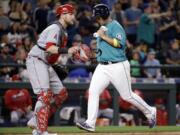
153	52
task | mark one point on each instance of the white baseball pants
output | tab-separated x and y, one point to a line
119	75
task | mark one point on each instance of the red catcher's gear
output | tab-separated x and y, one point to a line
57	100
43	110
63	9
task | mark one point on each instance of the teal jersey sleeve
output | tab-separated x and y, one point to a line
118	33
106	51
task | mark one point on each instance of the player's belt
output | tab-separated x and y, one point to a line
41	48
108	62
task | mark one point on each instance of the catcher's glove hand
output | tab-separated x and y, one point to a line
61	71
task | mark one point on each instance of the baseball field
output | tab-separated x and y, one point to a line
109	130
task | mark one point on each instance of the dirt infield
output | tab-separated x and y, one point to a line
154	133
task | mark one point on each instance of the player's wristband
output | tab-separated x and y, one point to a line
62	50
115	43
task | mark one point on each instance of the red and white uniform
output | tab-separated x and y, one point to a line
17	99
19	102
41	74
50	36
44	80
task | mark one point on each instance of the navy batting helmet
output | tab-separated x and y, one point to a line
101	10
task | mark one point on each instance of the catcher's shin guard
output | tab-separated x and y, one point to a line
42	110
61	97
57	100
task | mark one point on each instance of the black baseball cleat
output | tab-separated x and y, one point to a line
85	126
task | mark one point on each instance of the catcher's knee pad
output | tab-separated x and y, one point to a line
42	110
61	97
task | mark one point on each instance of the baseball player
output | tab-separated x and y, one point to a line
19	102
44	80
113	68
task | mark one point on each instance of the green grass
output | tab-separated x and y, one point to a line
107	129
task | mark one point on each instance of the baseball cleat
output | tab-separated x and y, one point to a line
36	132
85	126
32	123
152	121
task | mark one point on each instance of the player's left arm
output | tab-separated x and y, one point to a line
112	41
115	40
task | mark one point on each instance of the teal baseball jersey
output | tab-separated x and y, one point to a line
108	52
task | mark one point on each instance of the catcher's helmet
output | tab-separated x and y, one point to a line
101	10
63	9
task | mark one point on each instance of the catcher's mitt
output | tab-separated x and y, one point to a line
61	71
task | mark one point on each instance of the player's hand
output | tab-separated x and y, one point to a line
101	33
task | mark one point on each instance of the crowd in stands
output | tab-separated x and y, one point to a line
152	28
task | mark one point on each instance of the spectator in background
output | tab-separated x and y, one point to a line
80	71
4	22
27	44
14	35
142	50
146	29
40	16
5	40
27	8
125	4
21	55
173	54
78	41
18	15
86	25
168	31
173	58
162	114
51	17
93	48
135	72
152	61
131	20
12	6
19	103
27	31
176	6
117	13
5	57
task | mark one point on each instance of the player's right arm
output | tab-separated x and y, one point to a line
53	49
